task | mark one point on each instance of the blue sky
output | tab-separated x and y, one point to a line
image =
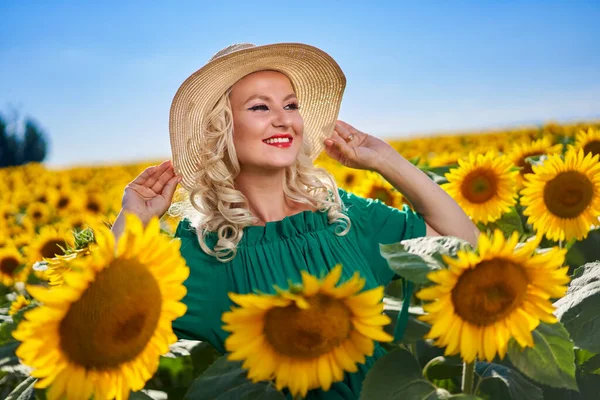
99	78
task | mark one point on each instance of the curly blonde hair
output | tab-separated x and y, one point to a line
215	205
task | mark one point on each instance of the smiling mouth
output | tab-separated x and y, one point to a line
276	141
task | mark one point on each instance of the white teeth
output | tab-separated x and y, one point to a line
278	140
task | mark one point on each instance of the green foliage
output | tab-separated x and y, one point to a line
550	361
498	382
584	251
226	380
509	222
19	148
578	309
398	375
413	259
24	391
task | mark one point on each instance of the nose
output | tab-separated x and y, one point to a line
282	119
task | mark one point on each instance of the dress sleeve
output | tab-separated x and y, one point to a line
206	297
377	223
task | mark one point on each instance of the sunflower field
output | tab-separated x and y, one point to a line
84	315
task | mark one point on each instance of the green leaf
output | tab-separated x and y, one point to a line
592	365
550	361
413	259
439	368
578	309
584	251
182	348
226	380
24	391
509	222
7	354
397	375
499	382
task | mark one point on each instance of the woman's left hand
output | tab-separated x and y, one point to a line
355	149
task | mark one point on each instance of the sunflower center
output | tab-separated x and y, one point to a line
490	291
93	207
568	194
114	319
592	147
8	265
51	248
527	167
382	194
308	333
479	186
63	202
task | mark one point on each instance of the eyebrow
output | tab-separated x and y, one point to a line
266	98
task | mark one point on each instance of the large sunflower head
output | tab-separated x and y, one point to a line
106	326
483	185
562	196
485	298
588	141
306	337
520	152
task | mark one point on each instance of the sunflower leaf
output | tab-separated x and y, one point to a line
499	382
551	361
24	391
578	309
508	223
226	380
409	266
398	375
413	259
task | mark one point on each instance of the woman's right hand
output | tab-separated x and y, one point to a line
150	194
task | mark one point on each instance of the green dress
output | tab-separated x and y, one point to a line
273	254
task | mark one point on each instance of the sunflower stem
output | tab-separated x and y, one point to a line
468	377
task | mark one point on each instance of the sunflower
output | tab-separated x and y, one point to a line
11	265
50	242
483	185
588	141
373	186
306	337
485	298
562	197
444	159
20	303
59	265
38	213
520	152
106	326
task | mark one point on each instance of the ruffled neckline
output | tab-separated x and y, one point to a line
291	226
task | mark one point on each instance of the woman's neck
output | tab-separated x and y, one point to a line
266	198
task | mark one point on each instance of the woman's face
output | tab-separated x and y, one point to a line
267	126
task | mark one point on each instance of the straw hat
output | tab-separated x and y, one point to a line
317	79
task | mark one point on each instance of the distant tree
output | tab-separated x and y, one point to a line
18	148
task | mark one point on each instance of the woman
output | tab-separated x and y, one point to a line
244	131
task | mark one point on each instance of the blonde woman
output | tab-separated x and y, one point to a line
245	130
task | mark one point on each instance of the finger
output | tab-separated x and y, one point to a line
162	180
346	127
169	189
344	150
143	191
160	169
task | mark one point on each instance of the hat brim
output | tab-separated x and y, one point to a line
317	79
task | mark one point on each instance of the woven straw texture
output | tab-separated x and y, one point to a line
317	79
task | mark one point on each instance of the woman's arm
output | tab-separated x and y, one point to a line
441	213
356	149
